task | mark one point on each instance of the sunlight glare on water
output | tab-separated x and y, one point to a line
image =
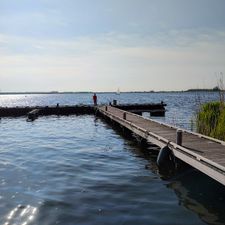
23	215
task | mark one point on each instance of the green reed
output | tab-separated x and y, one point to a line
211	120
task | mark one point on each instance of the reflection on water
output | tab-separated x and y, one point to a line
202	195
196	192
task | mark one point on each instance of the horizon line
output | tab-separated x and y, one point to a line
136	91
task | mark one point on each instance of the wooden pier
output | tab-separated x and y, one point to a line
201	152
156	109
46	110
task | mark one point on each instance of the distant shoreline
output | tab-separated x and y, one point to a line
102	92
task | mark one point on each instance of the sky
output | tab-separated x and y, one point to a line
103	45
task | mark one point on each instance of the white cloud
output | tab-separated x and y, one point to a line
177	60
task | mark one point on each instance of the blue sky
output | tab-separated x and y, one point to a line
103	45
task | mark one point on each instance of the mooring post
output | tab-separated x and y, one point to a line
106	108
179	137
124	116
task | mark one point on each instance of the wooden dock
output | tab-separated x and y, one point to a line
46	110
201	152
156	109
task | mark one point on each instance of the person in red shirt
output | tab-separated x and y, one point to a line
95	99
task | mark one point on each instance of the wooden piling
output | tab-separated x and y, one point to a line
124	116
179	135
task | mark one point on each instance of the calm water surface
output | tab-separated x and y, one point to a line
78	170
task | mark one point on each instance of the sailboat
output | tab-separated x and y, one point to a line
118	91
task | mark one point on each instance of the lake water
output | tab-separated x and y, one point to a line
80	170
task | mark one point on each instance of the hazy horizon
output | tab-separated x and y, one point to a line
116	91
133	45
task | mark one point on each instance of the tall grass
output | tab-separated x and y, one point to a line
211	120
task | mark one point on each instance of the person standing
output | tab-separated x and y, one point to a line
95	99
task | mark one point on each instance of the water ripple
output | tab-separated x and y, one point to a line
78	170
